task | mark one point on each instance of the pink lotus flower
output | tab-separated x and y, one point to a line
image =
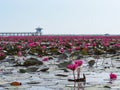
19	53
113	76
19	47
62	50
70	50
78	62
45	59
71	44
72	66
106	44
1	48
77	48
2	54
94	44
32	44
85	47
117	45
43	47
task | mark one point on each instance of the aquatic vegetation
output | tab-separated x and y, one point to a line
51	59
2	55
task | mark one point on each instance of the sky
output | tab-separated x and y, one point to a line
60	16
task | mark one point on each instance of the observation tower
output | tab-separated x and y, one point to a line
38	31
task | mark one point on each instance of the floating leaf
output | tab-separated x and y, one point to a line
91	63
107	87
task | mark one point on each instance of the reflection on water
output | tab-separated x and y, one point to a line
94	88
84	86
38	88
79	85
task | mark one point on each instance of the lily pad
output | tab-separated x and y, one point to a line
64	64
107	87
62	75
32	61
91	63
33	82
